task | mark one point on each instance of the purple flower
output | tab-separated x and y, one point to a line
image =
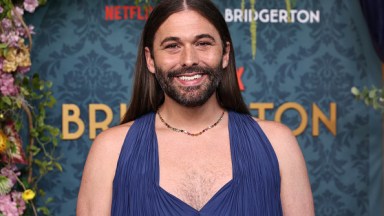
7	206
6	23
30	5
7	88
1	9
12	38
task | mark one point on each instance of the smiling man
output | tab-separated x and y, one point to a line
187	144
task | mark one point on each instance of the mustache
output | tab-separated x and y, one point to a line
191	69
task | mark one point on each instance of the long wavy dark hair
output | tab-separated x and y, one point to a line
147	94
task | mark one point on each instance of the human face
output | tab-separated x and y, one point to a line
188	58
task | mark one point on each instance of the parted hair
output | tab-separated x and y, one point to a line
147	94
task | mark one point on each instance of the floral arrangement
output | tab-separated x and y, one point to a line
23	101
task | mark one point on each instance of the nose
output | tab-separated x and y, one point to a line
189	57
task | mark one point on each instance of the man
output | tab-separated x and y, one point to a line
187	144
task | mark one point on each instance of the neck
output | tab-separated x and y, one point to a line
191	118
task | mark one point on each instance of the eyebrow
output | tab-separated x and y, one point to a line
169	39
205	36
177	39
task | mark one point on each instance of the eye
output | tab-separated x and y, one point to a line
203	43
171	46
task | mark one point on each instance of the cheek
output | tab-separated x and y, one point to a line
165	61
212	59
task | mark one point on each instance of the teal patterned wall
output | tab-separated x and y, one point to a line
90	61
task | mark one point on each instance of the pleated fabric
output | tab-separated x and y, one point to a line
253	190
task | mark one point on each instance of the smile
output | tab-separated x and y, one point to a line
189	78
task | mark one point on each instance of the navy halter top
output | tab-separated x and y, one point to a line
253	190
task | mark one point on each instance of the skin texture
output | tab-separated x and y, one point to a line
192	168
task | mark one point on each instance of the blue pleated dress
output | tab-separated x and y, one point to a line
253	190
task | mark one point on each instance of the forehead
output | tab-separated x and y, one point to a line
186	24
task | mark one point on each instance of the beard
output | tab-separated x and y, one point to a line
190	96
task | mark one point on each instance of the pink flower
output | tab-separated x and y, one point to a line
30	5
20	203
7	206
7	85
1	9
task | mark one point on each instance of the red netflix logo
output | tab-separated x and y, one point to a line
125	12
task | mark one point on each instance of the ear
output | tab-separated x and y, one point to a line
149	60
227	50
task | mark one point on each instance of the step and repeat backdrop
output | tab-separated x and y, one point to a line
300	73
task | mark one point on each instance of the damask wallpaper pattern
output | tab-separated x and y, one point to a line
91	61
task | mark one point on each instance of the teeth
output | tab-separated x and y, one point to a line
189	78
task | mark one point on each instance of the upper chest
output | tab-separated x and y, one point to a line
180	152
194	169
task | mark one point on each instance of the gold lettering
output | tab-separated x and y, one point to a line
330	122
123	110
93	125
303	114
261	107
74	118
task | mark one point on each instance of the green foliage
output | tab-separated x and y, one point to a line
373	97
46	136
36	94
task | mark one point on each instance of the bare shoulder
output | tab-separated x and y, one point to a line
296	194
107	145
279	135
112	138
95	195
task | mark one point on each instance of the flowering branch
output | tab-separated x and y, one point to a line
31	141
17	94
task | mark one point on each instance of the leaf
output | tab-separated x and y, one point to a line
51	102
54	131
7	100
36	152
58	166
36	81
5	51
42	2
18	125
42	192
355	91
366	101
54	142
44	210
19	102
372	93
49	84
24	91
37	162
49	200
